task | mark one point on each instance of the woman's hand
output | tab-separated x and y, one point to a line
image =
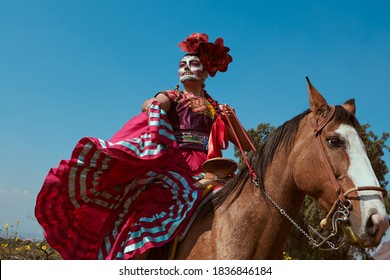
227	112
236	133
147	103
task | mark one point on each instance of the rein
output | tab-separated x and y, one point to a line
341	208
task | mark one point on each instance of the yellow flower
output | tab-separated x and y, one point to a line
212	109
17	238
27	247
44	247
6	226
286	256
4	246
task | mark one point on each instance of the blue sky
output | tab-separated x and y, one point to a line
70	69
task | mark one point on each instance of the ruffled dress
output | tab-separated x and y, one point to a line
116	199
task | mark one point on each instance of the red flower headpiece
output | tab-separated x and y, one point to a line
213	56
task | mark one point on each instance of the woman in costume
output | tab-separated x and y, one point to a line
118	199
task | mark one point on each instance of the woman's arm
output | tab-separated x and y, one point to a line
235	128
164	101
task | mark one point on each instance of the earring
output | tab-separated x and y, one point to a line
177	87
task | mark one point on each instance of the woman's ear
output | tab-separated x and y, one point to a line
205	75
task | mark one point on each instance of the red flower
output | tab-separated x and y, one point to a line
192	42
213	56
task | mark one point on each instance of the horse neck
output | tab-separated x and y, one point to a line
260	226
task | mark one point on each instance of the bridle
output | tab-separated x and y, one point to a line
340	211
342	197
342	206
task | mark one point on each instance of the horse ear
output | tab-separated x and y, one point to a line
350	106
318	104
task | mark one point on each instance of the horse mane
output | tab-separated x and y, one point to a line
282	138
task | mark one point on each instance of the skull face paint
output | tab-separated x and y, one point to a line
190	68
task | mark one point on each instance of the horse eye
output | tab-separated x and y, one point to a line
335	142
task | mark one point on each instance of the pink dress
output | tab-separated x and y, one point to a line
115	199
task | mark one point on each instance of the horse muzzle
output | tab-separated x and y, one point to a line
365	232
374	229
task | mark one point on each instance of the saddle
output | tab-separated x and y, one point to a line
217	171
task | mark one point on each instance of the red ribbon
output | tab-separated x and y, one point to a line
218	139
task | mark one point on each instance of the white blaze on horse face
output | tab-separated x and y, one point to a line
190	68
361	173
360	170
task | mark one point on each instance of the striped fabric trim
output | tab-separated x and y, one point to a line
93	157
161	227
87	204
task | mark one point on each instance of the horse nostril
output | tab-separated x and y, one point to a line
371	226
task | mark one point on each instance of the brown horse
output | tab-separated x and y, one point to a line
317	153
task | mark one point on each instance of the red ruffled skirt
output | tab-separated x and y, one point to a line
116	199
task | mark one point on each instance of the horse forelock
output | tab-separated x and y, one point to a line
282	137
342	116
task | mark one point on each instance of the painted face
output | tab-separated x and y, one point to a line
190	68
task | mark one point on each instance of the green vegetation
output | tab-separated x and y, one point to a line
14	248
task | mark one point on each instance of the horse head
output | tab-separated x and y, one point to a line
329	163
